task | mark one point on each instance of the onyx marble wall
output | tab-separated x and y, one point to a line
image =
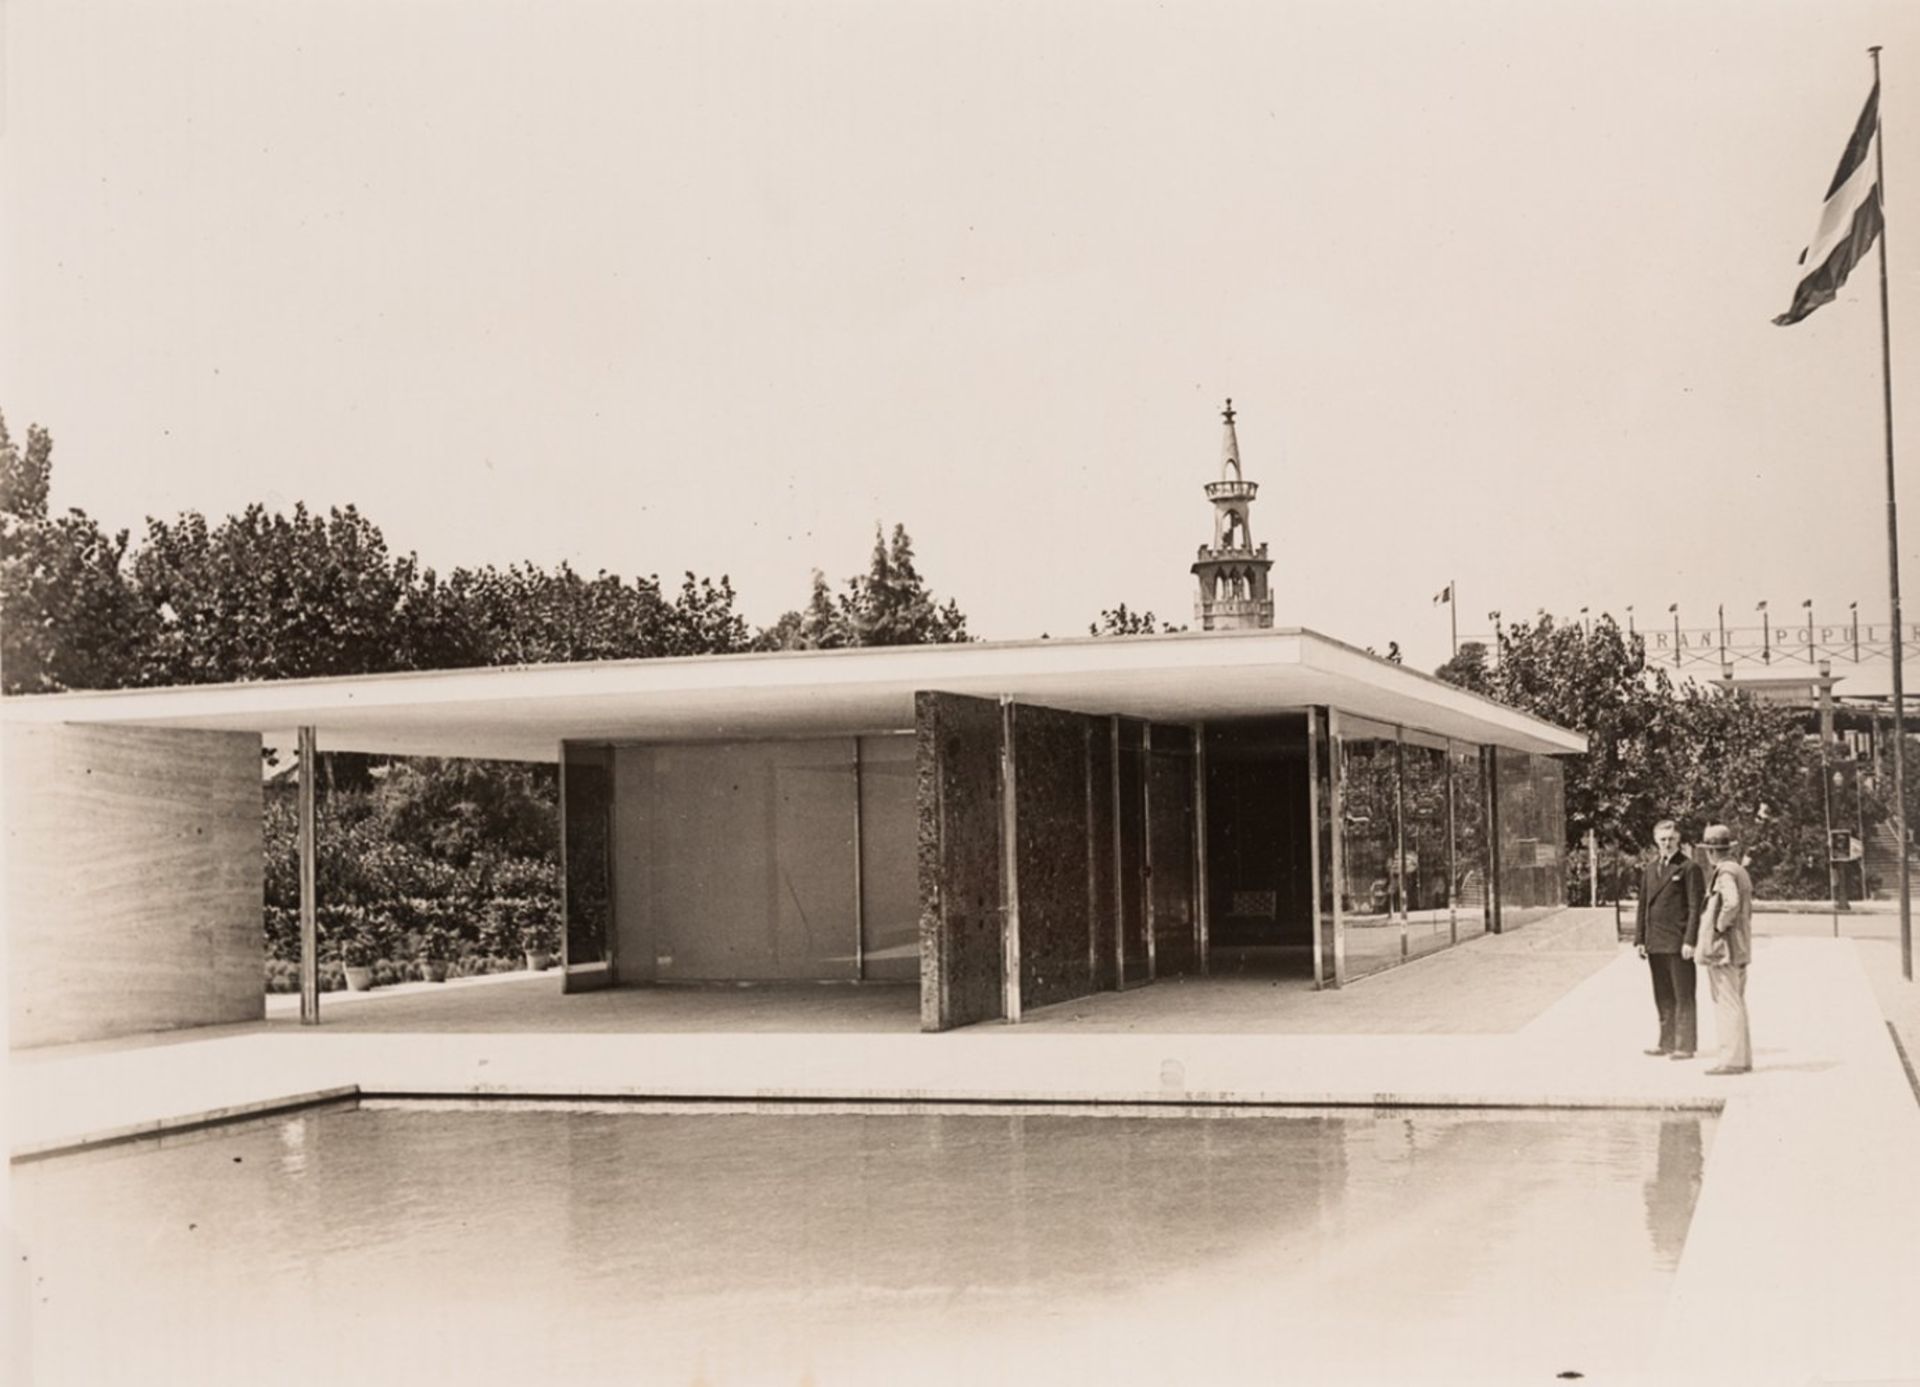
962	905
1050	802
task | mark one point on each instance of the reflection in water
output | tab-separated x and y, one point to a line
1673	1187
620	1247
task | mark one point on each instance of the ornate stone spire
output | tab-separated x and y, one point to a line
1229	447
1231	571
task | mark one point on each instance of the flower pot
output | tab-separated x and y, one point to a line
359	979
433	970
539	960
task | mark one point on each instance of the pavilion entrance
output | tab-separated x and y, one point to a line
1258	862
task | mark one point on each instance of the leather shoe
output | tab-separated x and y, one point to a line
1658	1050
1681	1055
1722	1069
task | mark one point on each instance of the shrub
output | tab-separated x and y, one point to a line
499	931
522	877
283	933
539	919
438	944
345	936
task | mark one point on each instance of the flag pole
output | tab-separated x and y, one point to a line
1453	615
1893	545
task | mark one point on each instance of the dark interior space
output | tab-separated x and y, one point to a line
1259	847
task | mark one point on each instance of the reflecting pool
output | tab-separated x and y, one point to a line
537	1244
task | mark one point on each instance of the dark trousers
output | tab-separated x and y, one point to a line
1673	997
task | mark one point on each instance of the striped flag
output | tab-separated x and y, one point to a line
1849	219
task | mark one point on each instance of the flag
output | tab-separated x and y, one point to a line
1443	596
1849	219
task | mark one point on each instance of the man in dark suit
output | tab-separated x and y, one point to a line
1666	926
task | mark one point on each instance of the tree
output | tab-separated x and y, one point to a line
1752	766
889	604
1595	681
1468	668
464	811
287	596
264	595
702	621
525	615
69	618
1654	751
1119	621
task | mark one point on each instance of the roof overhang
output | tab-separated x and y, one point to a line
524	712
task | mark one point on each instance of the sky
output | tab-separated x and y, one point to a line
720	286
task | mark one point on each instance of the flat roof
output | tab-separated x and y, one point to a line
523	712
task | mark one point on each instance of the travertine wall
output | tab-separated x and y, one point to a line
133	880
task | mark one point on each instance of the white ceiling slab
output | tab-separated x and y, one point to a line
523	713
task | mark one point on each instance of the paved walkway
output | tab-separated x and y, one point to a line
1802	1263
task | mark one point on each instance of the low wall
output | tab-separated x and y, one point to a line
133	880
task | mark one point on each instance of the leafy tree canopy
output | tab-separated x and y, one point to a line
1120	621
68	616
889	604
264	595
1656	750
270	596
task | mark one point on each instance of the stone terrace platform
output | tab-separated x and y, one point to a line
1802	1262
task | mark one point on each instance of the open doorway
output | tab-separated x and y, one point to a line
1259	859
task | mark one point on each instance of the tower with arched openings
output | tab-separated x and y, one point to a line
1232	571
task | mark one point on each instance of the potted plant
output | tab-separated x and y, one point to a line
346	944
436	951
356	960
539	936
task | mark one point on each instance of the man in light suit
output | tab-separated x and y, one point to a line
1666	923
1726	947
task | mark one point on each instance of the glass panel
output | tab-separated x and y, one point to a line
1327	964
1170	851
587	775
889	881
1426	848
1131	853
1106	935
1470	894
1530	816
1370	886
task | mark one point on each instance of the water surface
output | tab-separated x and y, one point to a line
510	1246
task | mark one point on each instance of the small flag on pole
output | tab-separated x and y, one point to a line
1443	596
1849	219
